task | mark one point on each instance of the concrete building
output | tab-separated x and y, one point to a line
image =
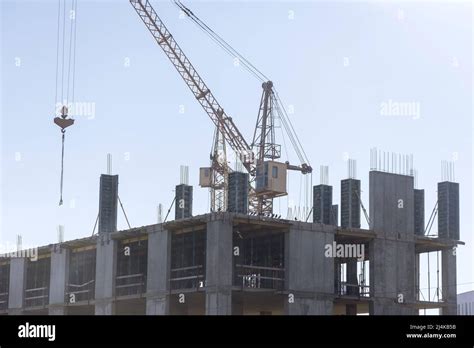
230	263
466	303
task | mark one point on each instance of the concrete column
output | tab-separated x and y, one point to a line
105	272
16	291
448	278
219	266
58	280
417	277
159	263
309	275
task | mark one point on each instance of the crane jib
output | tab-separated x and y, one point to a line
197	86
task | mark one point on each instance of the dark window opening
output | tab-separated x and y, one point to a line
81	283
132	261
37	282
260	263
4	284
188	260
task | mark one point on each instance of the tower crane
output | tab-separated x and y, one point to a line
263	145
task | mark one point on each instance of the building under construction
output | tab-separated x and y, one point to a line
241	258
242	263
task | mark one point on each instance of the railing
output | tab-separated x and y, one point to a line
81	292
36	297
348	289
191	277
130	284
259	277
3	301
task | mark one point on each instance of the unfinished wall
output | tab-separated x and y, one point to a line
392	252
310	274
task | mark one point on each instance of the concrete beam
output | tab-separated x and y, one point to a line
58	280
105	273
158	272
16	291
309	306
219	266
383	306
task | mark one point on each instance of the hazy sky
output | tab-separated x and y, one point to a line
335	64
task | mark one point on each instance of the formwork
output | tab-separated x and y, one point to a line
184	201
350	203
448	210
108	197
238	193
322	204
419	212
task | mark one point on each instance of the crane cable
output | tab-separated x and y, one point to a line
62	120
256	73
221	42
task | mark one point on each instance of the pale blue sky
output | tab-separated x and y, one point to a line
401	51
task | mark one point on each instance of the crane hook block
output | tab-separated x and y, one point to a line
64	111
63	123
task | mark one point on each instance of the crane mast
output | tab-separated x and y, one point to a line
219	172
